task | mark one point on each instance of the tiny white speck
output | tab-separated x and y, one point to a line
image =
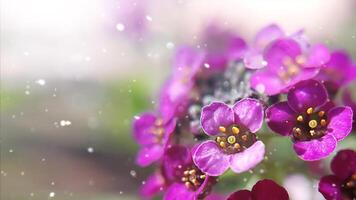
90	150
52	194
264	63
27	92
170	45
149	18
11	150
41	82
121	192
206	65
65	123
133	173
120	27
22	173
136	117
260	88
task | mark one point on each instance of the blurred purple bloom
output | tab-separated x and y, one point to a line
153	134
221	47
175	92
287	64
342	184
263	190
153	185
338	72
312	121
339	69
235	146
253	58
348	101
186	181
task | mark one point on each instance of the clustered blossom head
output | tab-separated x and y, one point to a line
213	105
311	120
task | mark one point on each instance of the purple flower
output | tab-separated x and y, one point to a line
263	190
186	181
312	121
339	69
175	92
286	64
235	145
253	58
338	72
348	101
153	185
153	134
342	184
221	47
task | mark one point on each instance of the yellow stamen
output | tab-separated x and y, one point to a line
310	111
313	123
186	173
222	129
312	132
237	146
218	139
300	59
191	172
159	122
292	70
323	122
235	130
298	131
202	176
188	184
184	179
222	144
231	139
300	118
321	113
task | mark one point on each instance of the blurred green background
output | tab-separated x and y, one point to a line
72	80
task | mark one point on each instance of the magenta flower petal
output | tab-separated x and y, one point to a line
153	185
241	195
329	187
281	118
280	50
340	122
306	94
249	158
268	190
267	35
178	191
315	149
266	81
175	158
253	59
318	55
249	112
210	159
344	163
187	62
142	128
173	96
149	154
214	115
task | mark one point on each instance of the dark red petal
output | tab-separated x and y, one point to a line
269	190
241	195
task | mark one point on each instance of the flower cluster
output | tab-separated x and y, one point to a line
214	103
